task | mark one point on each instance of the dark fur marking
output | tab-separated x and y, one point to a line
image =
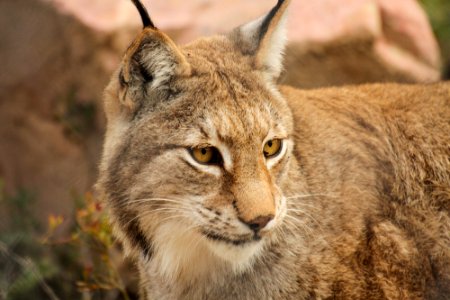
365	260
122	81
201	213
145	74
442	286
138	238
383	167
363	123
137	65
133	231
378	160
226	79
204	133
234	203
216	237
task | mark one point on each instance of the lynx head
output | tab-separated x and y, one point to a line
197	146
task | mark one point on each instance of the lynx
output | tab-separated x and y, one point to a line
222	184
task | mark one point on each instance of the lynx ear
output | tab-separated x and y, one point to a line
265	38
149	64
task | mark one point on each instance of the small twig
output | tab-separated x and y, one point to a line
28	264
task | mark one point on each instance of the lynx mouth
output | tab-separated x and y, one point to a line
236	242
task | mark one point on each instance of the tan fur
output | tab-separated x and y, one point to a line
359	196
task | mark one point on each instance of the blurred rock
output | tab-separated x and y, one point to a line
54	69
358	41
57	56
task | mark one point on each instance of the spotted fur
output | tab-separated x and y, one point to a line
358	196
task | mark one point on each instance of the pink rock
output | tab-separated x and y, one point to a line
406	25
358	41
325	21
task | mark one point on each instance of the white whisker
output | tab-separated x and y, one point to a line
178	201
171	217
310	195
305	214
299	205
169	209
150	212
299	226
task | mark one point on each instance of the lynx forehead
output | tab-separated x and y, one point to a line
223	185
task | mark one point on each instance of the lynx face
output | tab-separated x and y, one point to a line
197	147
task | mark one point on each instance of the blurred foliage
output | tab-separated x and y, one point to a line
439	14
74	259
77	117
24	265
92	236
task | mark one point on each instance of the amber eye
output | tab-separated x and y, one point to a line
272	148
206	155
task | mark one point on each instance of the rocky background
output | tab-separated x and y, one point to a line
57	55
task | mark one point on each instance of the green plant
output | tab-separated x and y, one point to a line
77	117
93	236
75	257
24	265
439	14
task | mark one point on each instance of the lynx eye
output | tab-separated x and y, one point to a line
272	148
206	155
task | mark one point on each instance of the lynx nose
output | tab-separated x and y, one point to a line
259	223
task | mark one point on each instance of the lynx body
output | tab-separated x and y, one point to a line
223	185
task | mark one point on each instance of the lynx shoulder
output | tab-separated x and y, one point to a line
222	185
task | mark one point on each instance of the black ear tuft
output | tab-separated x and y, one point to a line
265	39
268	18
146	21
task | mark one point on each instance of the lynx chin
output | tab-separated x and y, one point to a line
222	184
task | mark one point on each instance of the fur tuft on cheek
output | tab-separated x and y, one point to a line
240	258
181	253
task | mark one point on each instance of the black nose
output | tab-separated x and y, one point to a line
259	223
